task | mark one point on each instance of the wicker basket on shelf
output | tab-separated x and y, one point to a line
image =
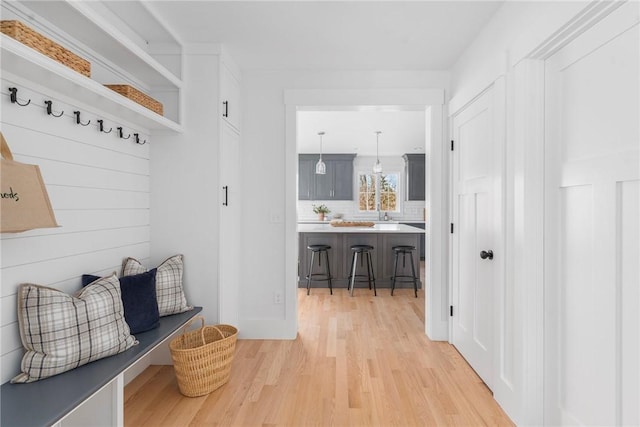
28	37
136	96
202	357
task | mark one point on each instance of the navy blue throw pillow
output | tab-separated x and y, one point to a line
138	295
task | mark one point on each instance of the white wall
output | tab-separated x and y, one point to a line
98	185
264	175
515	30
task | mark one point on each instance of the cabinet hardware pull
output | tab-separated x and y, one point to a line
226	109
226	195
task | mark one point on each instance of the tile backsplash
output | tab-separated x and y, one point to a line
411	210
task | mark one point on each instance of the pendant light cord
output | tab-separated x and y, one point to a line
377	168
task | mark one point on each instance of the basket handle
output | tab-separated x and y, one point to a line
202	328
212	327
193	319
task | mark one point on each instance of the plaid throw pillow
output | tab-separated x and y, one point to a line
61	332
169	292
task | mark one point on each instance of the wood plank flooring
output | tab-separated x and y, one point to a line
361	361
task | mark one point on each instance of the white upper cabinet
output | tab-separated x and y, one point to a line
125	44
230	96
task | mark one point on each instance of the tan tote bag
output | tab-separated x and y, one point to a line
25	204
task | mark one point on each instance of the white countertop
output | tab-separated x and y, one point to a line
392	221
377	228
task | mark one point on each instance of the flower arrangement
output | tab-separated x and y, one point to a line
322	209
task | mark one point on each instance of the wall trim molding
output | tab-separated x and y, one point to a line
593	13
402	98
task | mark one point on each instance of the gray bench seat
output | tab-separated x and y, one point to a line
45	402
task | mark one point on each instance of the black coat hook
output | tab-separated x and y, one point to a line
120	134
101	127
138	139
77	114
50	112
14	97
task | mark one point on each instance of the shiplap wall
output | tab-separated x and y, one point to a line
99	188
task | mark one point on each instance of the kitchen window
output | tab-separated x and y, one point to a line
378	189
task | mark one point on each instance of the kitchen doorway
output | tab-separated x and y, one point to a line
431	103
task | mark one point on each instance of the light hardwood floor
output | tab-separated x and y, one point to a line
357	361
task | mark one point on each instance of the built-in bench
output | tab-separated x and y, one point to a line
47	402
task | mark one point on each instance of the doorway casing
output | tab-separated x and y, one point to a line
436	251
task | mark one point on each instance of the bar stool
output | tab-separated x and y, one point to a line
326	276
365	251
404	250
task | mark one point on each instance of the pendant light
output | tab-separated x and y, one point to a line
377	167
321	168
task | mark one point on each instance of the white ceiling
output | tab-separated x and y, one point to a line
354	132
355	35
326	35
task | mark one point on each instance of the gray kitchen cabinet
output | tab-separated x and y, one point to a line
415	168
336	184
343	178
306	179
340	256
304	258
422	236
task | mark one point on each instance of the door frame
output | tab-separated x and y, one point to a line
432	101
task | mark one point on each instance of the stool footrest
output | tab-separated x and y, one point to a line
314	275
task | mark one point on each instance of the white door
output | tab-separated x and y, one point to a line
474	172
230	217
592	257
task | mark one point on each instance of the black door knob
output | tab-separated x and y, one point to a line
486	254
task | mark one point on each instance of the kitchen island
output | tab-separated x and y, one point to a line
382	236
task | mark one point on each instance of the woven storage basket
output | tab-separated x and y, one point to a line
202	357
136	96
35	40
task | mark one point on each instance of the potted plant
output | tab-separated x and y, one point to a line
321	211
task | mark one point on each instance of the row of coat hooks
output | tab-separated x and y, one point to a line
13	95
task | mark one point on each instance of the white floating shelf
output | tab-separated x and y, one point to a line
83	23
30	64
